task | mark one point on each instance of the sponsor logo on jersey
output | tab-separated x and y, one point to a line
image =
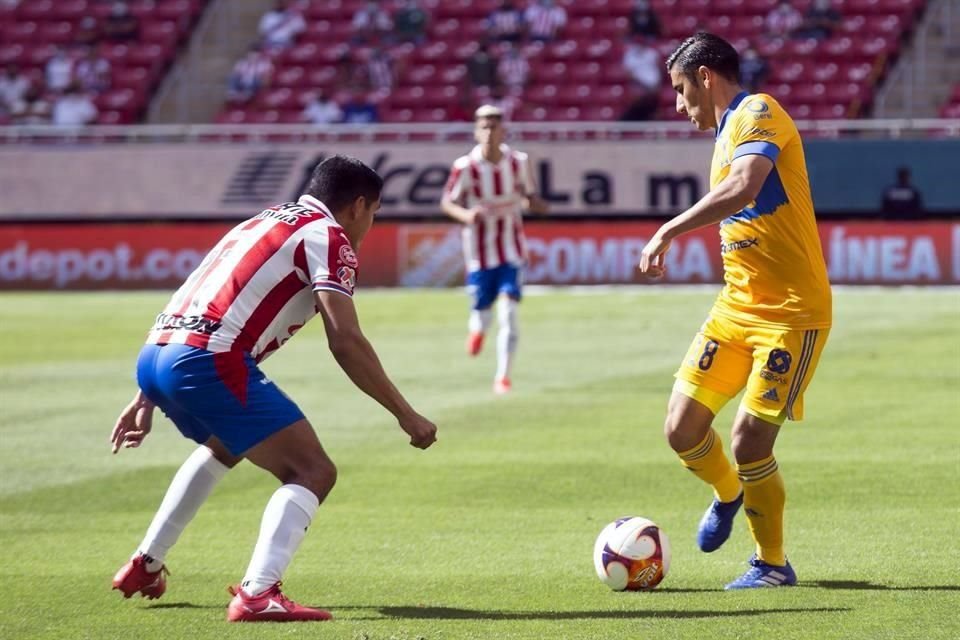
763	133
197	324
757	106
737	245
348	277
779	361
772	377
771	395
348	256
288	213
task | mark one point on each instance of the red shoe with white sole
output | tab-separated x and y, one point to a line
502	386
271	606
133	577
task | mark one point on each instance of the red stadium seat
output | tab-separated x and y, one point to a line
322	77
825	72
829	111
55	32
728	7
547	72
283	98
809	93
290	77
542	94
26	32
585	72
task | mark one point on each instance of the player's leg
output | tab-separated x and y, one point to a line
188	490
509	286
784	362
481	287
296	458
714	370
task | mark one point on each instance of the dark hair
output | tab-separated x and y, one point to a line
339	180
706	50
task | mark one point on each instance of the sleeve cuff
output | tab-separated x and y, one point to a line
757	148
331	286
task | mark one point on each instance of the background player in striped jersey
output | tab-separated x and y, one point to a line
768	326
487	191
260	284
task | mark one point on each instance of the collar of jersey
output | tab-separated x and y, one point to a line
312	203
733	107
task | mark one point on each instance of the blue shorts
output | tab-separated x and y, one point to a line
484	285
214	394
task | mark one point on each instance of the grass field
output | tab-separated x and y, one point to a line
489	534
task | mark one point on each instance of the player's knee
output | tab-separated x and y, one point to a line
685	428
752	440
319	477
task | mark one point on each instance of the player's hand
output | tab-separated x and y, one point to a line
422	432
474	213
652	257
133	425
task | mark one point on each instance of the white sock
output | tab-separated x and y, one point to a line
479	321
507	338
194	481
285	522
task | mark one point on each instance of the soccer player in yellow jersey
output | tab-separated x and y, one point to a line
768	326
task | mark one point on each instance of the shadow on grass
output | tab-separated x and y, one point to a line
451	613
185	605
859	585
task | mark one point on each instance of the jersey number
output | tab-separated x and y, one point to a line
706	358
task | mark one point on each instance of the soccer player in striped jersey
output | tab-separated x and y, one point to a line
260	284
769	324
487	191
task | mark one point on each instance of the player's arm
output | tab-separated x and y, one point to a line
359	361
134	423
533	202
741	187
458	212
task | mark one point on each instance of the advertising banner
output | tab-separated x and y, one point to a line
161	255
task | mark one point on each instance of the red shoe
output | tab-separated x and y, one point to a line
134	577
271	606
502	386
474	343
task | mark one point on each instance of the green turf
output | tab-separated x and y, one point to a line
489	534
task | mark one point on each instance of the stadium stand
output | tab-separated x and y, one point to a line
31	32
579	75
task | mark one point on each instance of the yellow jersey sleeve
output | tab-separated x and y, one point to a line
774	270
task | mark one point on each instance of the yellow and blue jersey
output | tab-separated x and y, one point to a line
774	270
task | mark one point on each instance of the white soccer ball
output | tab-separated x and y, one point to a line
632	554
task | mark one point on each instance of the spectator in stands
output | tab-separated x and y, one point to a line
503	101
410	22
820	21
482	67
14	87
251	73
360	110
544	19
642	62
513	70
643	20
322	110
505	23
902	199
371	22
58	72
88	32
753	70
93	72
36	108
121	25
280	26
380	70
74	108
783	20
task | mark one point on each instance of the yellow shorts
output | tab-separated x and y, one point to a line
775	366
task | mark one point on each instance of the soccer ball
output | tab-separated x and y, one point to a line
632	554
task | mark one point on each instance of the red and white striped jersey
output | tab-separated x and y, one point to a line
496	236
545	20
254	290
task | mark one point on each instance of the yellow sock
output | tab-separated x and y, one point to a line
708	462
763	500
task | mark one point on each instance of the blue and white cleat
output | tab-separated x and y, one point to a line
716	524
760	574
